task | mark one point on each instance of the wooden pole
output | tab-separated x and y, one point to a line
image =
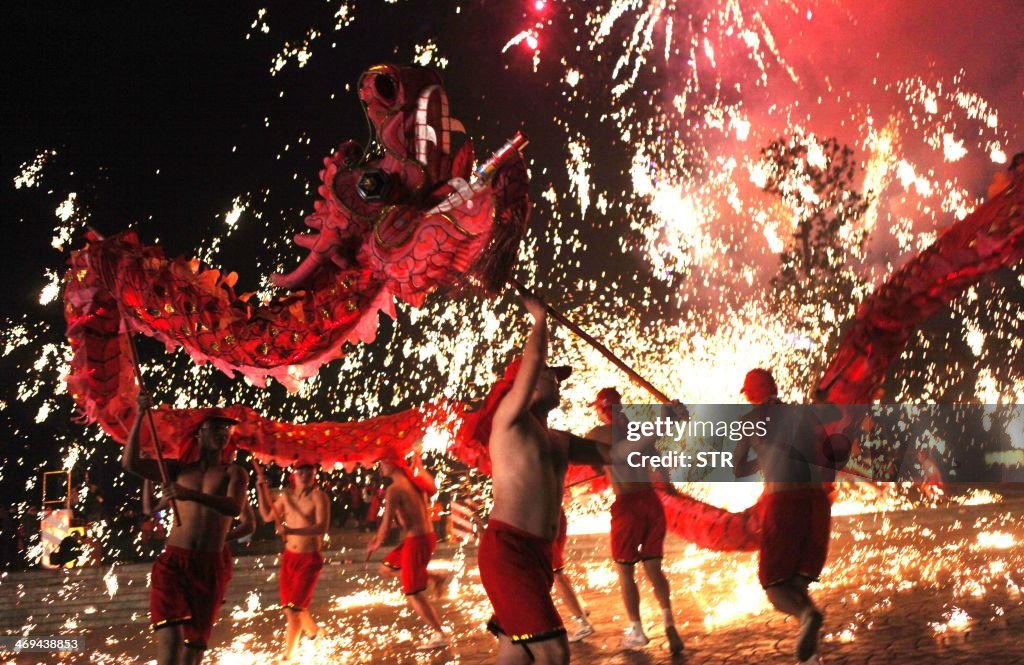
164	478
602	349
142	386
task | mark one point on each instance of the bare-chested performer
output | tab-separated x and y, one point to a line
528	471
302	513
405	500
796	503
189	578
242	526
637	534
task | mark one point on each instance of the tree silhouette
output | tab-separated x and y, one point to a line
817	181
818	284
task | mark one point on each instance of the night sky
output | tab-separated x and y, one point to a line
160	117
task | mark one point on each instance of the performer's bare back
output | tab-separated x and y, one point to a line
409	506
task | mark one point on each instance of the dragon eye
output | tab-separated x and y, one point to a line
385	86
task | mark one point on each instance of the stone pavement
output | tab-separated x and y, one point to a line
927	585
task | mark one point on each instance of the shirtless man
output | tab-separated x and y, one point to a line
796	504
637	534
190	576
528	471
405	500
301	513
242	526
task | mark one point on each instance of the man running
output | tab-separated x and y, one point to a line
528	462
796	504
301	513
405	500
189	578
637	534
563	585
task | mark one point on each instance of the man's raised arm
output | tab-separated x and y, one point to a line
131	461
535	353
266	503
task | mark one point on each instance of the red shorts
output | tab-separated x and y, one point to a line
298	576
515	569
558	546
795	534
411	557
187	587
638	527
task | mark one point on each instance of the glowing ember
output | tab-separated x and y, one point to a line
955	620
995	540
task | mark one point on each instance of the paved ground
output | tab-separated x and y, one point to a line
926	585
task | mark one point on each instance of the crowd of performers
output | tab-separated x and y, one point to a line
521	550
